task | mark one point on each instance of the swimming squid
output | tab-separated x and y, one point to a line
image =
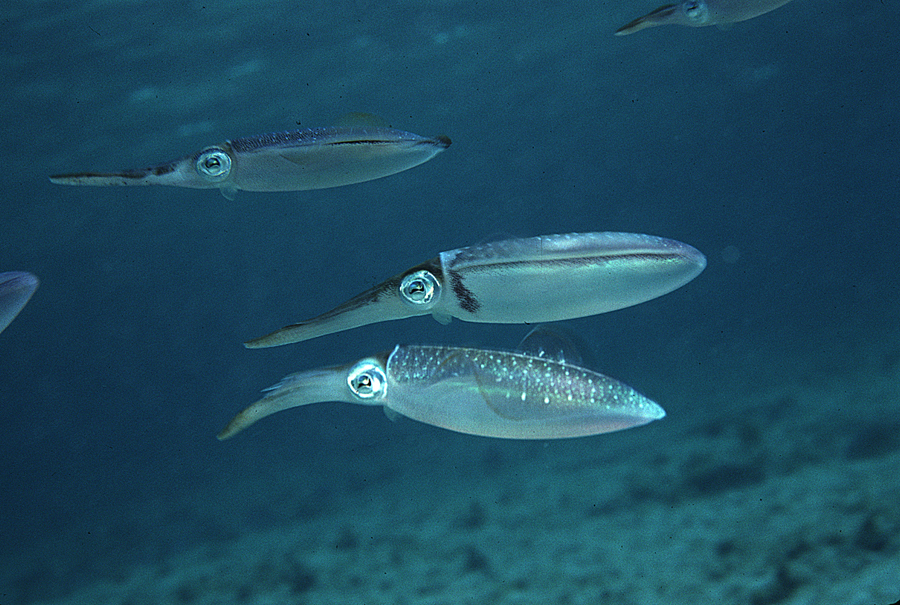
474	391
530	280
16	287
699	13
299	160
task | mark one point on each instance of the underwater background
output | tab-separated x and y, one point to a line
772	146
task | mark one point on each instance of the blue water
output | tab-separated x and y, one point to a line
772	147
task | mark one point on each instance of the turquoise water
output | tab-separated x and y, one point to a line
771	146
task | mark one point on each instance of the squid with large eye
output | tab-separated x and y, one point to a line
298	160
530	280
699	13
488	393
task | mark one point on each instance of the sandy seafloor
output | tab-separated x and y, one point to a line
771	146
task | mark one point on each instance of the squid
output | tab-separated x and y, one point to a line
530	280
474	391
298	160
699	13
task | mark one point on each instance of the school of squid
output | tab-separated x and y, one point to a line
532	280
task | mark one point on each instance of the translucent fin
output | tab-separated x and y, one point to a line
392	415
442	318
498	400
554	343
229	192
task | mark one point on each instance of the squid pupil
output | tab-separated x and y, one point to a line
364	382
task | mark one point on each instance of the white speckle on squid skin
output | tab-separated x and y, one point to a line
554	384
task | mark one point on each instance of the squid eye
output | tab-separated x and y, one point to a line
213	164
420	289
367	380
696	10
